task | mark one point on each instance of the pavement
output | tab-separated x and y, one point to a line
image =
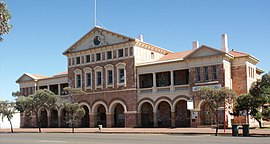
187	131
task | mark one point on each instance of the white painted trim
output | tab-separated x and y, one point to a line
113	104
96	104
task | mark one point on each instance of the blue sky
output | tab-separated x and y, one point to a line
43	29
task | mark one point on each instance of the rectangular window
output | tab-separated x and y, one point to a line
99	77
152	55
88	80
198	74
88	59
109	55
98	56
69	61
120	53
110	77
214	72
206	74
78	60
130	51
78	79
73	61
121	75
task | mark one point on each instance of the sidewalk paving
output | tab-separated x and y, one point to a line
210	131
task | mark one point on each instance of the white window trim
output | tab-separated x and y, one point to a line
121	66
109	67
77	72
98	69
86	71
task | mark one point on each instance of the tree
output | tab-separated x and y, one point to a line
31	104
216	98
73	113
258	97
7	110
5	16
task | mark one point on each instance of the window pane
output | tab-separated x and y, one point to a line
99	78
206	76
88	78
120	53
198	74
78	60
88	58
110	77
121	76
109	55
215	72
78	77
98	57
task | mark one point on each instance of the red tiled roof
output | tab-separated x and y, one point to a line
177	55
238	54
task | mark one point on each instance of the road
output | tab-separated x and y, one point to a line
91	138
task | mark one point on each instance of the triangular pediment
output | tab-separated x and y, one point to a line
25	77
97	37
204	51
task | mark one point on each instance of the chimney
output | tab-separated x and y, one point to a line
224	38
141	37
195	45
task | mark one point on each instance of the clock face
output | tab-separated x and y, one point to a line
97	40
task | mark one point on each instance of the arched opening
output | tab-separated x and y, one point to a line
63	121
85	118
119	116
101	116
147	115
182	114
207	116
43	118
54	118
164	114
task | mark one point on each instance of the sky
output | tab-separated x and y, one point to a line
44	29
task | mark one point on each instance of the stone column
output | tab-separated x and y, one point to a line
139	119
59	89
131	119
171	86
155	120
92	120
109	120
59	120
154	83
89	119
173	119
49	119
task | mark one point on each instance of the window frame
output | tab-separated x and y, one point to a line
109	67
78	72
121	66
86	72
97	70
198	74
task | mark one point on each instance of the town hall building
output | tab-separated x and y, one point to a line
131	83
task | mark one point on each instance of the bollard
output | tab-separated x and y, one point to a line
100	127
245	130
235	130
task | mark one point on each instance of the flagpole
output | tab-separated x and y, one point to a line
95	14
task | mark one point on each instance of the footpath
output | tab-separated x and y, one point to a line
185	131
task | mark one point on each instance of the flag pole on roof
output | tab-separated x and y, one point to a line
95	14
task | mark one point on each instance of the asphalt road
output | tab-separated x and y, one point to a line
90	138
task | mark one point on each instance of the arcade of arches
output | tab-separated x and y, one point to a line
162	113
